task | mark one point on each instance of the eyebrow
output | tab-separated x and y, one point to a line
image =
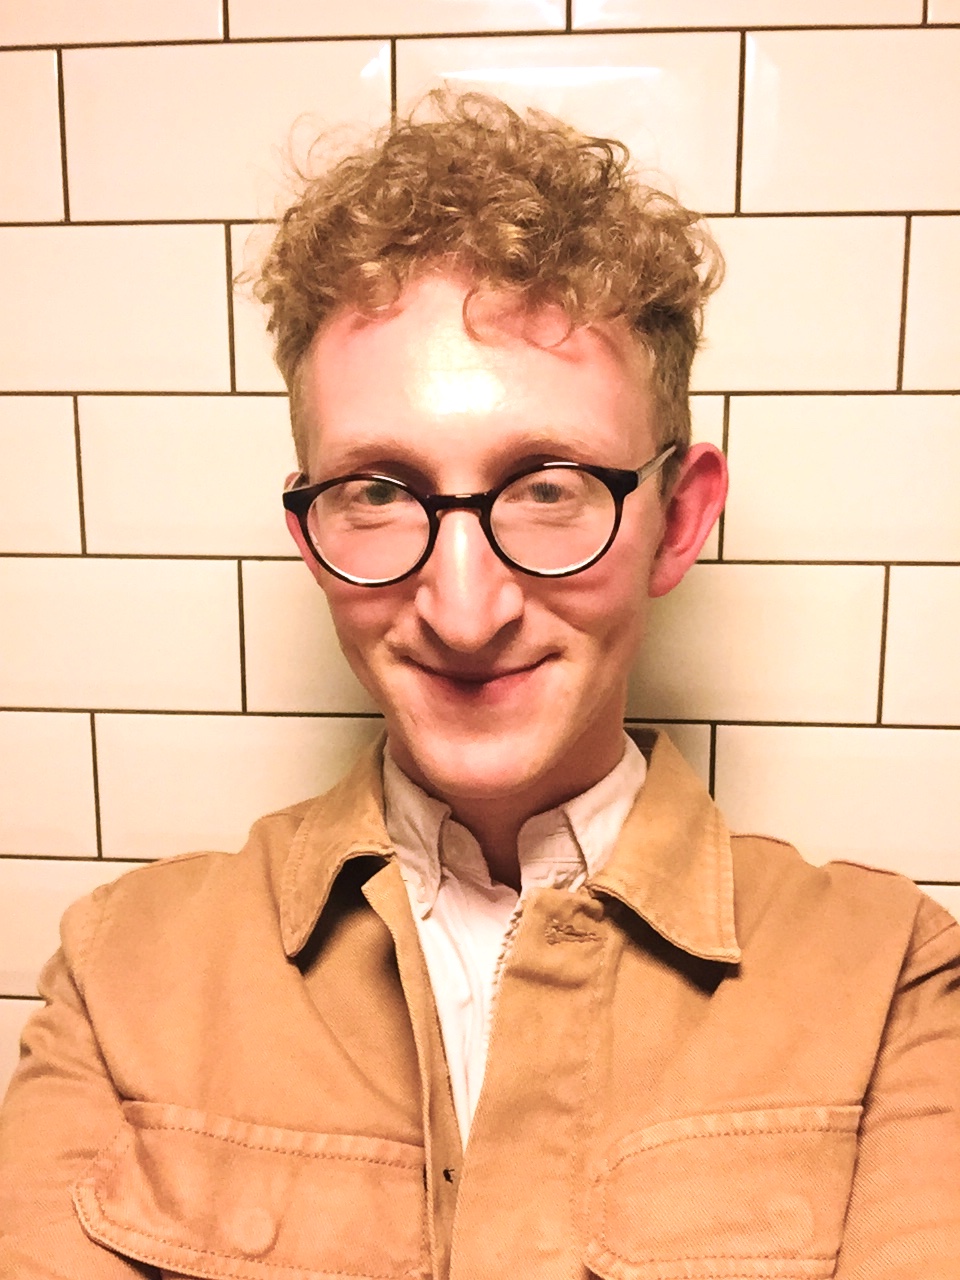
400	451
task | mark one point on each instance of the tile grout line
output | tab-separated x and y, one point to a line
712	779
200	557
231	338
96	783
61	107
724	442
568	18
225	19
393	80
243	642
883	642
81	513
741	95
481	33
902	343
925	14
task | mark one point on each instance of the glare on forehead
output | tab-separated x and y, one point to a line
454	375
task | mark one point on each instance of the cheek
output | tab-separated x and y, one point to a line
361	616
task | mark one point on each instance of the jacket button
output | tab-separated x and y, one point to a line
253	1231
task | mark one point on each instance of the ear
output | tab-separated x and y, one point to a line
694	502
293	524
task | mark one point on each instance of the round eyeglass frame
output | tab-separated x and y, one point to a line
300	498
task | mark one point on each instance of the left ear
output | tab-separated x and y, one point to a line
694	502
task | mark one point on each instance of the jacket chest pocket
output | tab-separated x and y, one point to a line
205	1196
740	1196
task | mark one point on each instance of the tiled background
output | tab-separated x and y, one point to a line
167	670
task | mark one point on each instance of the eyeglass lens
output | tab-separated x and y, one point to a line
548	521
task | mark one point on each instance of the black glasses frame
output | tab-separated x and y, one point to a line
300	498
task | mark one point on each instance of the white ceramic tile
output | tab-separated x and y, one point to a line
706	413
921	679
844	478
943	11
31	182
35	893
931	356
13	1014
742	13
812	141
293	658
200	131
103	21
39	510
693	743
948	895
113	309
252	345
253	18
169	784
157	634
185	475
671	98
763	642
808	304
46	785
886	797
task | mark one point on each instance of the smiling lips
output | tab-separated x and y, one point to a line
479	680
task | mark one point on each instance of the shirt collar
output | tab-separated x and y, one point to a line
671	863
559	847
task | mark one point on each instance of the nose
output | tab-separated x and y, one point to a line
465	593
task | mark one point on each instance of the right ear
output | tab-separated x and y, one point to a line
296	533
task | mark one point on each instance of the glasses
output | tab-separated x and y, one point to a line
549	521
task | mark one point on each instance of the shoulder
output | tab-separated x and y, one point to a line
182	901
848	906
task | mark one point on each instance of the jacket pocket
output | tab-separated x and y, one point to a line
201	1195
742	1195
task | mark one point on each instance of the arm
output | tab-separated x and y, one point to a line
903	1221
60	1110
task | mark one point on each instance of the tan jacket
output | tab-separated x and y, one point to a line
712	1061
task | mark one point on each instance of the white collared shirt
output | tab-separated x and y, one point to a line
465	920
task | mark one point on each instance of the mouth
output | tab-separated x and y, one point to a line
480	684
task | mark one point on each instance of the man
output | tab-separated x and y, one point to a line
508	1001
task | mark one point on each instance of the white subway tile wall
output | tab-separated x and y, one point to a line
168	670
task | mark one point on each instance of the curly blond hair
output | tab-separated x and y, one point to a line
523	205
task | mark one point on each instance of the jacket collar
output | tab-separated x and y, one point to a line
672	864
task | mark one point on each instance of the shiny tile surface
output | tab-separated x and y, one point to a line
46	784
671	98
147	634
39	503
808	304
812	140
105	21
122	308
931	357
766	777
922	674
763	642
185	475
30	186
35	893
297	666
253	347
943	11
743	13
172	783
379	17
216	147
844	478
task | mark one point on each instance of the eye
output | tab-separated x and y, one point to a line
379	493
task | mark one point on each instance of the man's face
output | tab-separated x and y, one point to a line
493	683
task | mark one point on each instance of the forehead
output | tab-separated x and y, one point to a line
423	377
